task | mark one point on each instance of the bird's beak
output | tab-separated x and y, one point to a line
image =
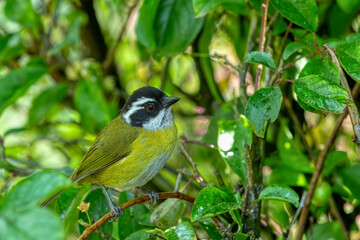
168	101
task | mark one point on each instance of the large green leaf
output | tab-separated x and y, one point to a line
92	105
170	28
202	7
34	189
302	12
349	6
279	192
295	47
263	105
232	137
134	218
212	201
318	86
30	223
45	101
261	58
99	206
22	12
351	180
168	213
349	56
15	84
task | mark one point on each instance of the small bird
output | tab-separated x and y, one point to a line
133	147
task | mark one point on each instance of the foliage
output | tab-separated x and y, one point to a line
67	67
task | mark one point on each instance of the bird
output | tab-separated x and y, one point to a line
132	148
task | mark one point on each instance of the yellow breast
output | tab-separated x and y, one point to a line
149	153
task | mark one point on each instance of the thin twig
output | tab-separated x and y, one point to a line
295	217
111	54
319	165
298	126
193	165
178	181
219	177
353	111
335	211
186	140
249	47
2	148
165	73
87	232
226	62
264	8
283	43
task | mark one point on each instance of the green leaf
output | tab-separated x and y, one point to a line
205	62
21	11
307	107
210	228
168	213
232	137
321	93
72	37
134	218
326	231
34	189
261	58
351	180
92	105
279	192
15	84
333	160
45	101
184	231
30	223
289	152
202	7
349	6
263	105
10	47
302	12
349	56
99	206
170	29
212	201
142	234
318	86
293	47
324	68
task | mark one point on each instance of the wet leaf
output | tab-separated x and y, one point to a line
279	192
302	12
263	105
212	201
349	56
233	135
261	58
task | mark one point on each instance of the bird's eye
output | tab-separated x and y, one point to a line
150	107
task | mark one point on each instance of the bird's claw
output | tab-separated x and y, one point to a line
154	197
117	211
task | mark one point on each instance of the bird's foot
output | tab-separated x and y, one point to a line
154	197
117	211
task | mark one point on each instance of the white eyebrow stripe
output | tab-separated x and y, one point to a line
136	106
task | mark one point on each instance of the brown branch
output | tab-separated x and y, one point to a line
335	211
186	140
353	111
319	165
264	8
111	54
193	165
87	232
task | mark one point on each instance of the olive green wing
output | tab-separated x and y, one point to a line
110	146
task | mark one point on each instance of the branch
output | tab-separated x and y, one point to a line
296	215
87	232
186	140
264	8
319	165
353	111
111	54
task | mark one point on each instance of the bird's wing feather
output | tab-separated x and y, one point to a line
112	145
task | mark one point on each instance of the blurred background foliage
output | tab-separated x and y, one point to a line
67	67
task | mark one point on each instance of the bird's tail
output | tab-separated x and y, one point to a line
52	198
